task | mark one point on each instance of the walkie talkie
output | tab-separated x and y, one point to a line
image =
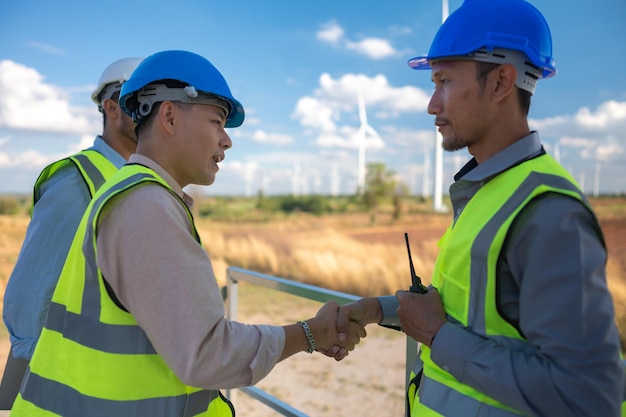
416	281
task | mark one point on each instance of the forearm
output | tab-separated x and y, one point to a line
295	340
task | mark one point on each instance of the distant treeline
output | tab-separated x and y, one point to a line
12	204
227	207
264	208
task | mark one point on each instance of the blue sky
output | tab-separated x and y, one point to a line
298	68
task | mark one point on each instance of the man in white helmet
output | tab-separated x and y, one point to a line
61	194
518	319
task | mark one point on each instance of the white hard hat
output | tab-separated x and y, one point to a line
114	76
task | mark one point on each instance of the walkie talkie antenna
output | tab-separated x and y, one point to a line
417	285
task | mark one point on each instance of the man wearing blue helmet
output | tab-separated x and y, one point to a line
518	319
137	325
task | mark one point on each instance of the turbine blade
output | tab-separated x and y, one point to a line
362	112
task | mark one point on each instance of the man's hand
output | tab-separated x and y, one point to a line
421	315
351	318
327	338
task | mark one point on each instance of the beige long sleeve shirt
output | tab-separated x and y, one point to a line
160	274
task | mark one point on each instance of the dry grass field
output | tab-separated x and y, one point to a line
345	253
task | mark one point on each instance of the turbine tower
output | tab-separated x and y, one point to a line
334	181
364	130
438	183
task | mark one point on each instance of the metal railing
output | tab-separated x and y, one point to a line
234	275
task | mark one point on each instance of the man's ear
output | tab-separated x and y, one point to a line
505	82
166	116
111	108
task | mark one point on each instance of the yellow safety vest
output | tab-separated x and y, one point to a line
94	167
465	276
92	359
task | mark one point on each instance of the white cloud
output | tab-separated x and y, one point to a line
261	136
329	140
576	142
609	151
331	33
314	113
46	48
374	48
609	113
348	138
28	103
85	142
29	159
376	91
242	169
593	135
334	97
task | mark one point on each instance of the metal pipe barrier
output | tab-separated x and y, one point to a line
234	275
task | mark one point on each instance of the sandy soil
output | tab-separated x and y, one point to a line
369	382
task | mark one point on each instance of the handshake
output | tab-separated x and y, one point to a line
336	330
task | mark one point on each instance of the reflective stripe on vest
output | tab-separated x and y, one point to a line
117	371
66	401
94	168
465	277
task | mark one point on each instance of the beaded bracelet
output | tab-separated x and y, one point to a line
309	336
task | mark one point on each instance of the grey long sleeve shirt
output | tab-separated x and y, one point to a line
551	283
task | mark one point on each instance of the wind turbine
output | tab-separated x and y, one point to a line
334	181
295	179
596	181
425	176
364	130
557	152
438	183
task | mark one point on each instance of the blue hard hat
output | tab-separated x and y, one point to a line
487	24
186	67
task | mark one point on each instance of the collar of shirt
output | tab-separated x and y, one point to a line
145	161
525	148
99	145
473	175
